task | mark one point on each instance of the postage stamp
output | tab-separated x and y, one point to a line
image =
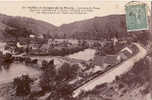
136	17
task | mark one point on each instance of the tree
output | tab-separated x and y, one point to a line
47	80
22	85
67	72
75	70
62	91
57	83
44	64
7	60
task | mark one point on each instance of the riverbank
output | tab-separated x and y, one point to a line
17	70
110	76
57	51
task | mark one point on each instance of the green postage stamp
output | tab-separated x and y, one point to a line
136	17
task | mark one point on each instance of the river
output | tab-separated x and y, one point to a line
86	54
19	69
14	71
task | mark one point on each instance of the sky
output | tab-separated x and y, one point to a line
15	8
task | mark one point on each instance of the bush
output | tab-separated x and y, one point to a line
67	72
65	51
48	76
22	85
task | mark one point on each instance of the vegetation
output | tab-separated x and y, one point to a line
135	78
47	80
56	81
6	60
65	51
17	32
22	85
67	72
62	91
138	75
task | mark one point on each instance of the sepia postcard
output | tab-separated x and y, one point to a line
75	50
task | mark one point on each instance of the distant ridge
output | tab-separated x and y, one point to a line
94	28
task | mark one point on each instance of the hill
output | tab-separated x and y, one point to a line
94	28
35	26
97	28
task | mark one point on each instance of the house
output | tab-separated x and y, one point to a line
73	41
19	45
45	47
34	46
32	36
108	60
41	36
99	60
125	53
127	49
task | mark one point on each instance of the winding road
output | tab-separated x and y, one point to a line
111	74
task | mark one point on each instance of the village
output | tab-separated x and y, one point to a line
99	57
67	58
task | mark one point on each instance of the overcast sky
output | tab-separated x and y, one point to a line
106	8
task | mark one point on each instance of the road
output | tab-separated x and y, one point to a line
111	74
